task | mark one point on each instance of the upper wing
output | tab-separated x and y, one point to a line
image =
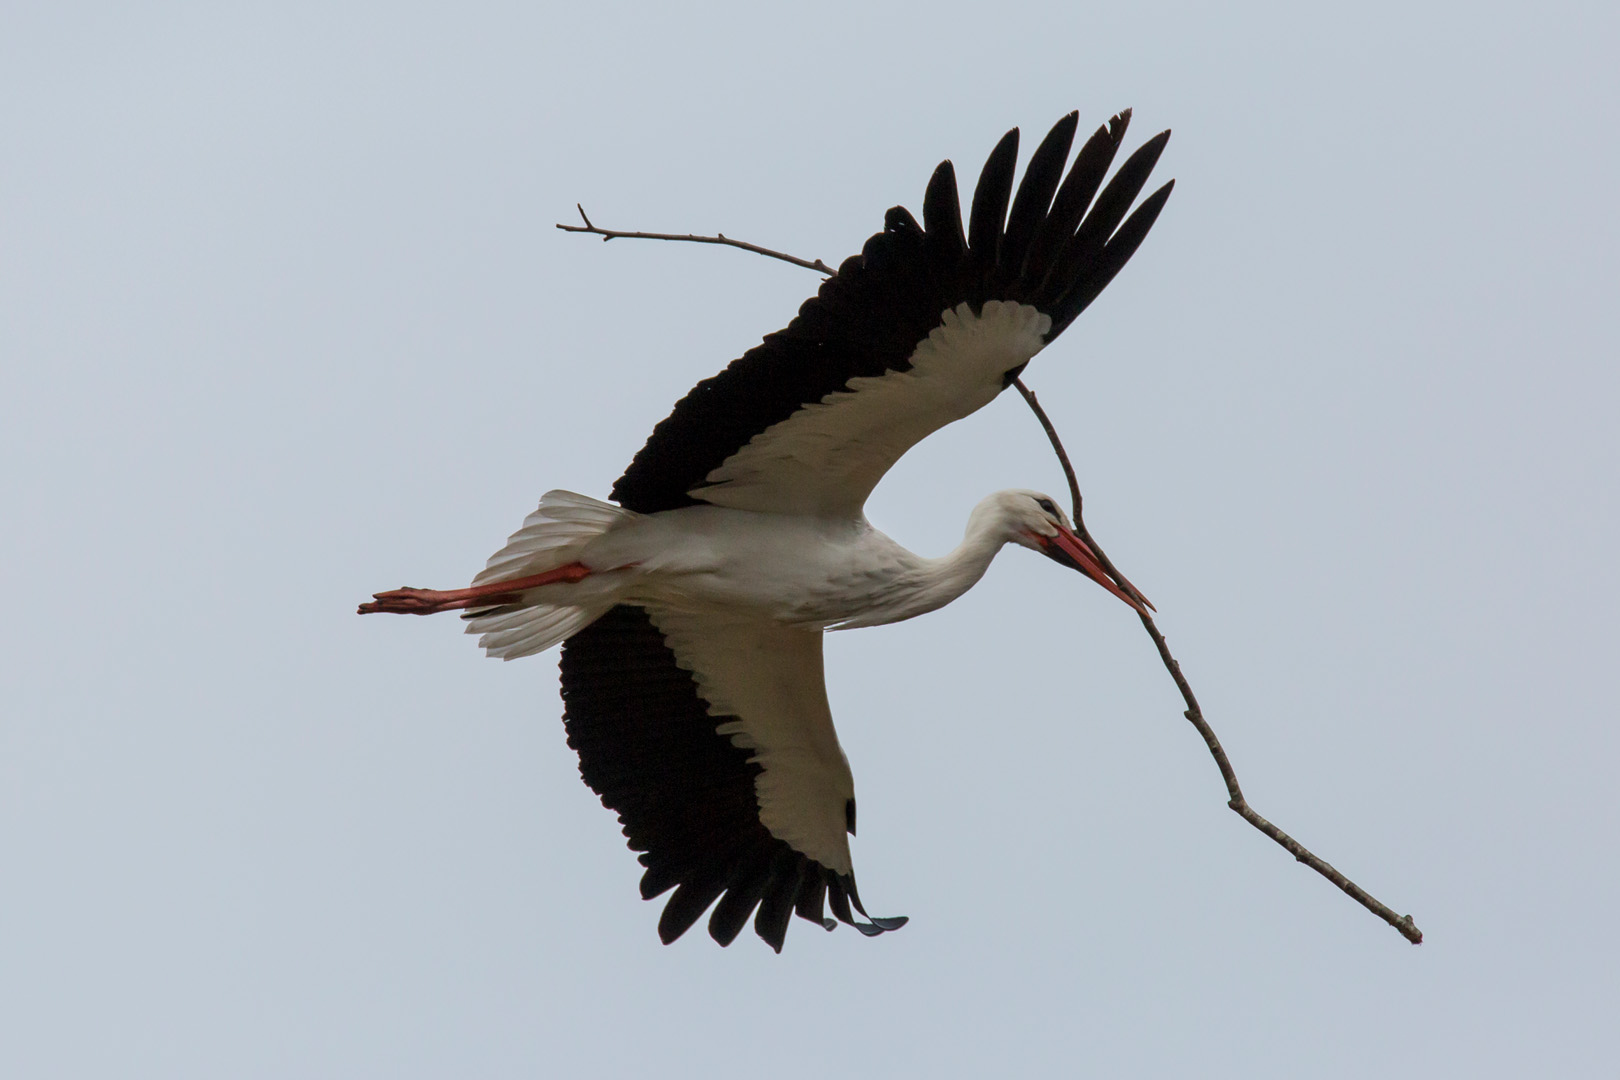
923	327
712	739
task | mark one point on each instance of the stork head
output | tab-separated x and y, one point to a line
1037	522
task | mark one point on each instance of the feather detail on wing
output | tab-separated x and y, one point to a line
825	459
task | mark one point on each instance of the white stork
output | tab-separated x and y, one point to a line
691	613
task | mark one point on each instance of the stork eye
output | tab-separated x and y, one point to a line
1047	505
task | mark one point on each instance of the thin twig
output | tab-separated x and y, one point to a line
1236	801
1403	923
718	238
1062	455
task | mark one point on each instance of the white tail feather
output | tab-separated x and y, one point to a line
553	536
530	630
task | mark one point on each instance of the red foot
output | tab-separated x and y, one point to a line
409	601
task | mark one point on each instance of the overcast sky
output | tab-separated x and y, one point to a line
284	321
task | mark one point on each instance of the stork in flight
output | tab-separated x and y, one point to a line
691	613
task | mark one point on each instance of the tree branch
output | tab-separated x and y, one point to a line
718	238
1402	923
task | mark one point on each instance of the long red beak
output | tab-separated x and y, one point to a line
1076	554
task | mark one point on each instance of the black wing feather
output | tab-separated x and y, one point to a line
1121	246
690	901
989	214
1109	209
942	215
776	906
1070	205
748	886
1034	198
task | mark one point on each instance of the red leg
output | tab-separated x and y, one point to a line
408	601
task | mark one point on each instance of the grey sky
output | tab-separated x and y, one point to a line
284	320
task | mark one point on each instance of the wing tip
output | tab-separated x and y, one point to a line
786	892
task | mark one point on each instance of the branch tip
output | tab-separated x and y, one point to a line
718	238
1195	715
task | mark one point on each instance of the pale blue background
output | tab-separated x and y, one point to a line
284	320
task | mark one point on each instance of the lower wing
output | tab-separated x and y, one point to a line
712	739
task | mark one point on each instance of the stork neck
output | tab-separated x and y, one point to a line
933	583
961	569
